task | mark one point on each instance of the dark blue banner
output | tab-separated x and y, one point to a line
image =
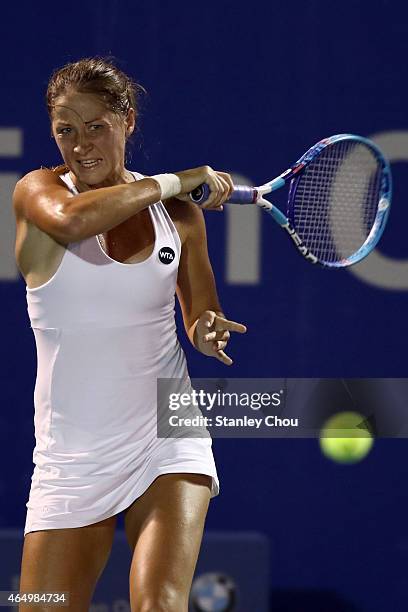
245	88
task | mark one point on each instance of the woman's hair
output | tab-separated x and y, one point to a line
98	76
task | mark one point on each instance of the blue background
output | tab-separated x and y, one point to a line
246	88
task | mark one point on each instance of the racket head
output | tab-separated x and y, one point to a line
339	199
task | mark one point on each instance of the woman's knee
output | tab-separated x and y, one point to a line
163	599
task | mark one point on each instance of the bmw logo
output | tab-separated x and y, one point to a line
213	593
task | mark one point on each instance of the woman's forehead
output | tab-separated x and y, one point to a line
85	107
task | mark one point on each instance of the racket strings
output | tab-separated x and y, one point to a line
336	200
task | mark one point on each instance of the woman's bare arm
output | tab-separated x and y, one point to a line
43	199
204	321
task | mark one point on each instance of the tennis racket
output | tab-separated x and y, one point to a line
338	203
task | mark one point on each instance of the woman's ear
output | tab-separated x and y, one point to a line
130	122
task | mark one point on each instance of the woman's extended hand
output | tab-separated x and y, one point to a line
220	184
212	333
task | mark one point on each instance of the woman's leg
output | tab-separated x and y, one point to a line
164	528
72	560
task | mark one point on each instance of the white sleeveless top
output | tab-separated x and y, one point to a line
105	331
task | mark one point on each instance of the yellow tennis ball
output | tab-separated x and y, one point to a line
343	441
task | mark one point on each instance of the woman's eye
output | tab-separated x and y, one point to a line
94	128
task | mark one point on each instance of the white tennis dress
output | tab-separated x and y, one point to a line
105	331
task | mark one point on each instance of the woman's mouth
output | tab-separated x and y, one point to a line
89	164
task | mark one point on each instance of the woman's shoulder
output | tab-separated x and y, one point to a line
185	212
39	178
44	172
187	217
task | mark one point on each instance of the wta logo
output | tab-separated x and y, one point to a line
166	255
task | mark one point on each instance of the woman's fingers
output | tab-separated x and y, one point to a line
221	187
223	357
228	179
210	336
219	345
225	324
217	195
209	318
221	327
217	335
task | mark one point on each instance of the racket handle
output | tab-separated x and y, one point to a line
242	194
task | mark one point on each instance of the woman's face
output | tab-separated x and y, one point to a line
85	130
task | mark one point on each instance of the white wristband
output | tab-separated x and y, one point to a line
170	185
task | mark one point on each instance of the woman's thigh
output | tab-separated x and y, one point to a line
70	560
164	528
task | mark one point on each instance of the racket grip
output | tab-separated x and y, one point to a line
242	194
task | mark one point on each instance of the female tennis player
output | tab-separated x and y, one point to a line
103	250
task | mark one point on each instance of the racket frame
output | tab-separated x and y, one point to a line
294	173
243	194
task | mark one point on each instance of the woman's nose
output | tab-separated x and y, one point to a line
82	144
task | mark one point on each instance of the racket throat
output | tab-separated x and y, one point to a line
303	250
